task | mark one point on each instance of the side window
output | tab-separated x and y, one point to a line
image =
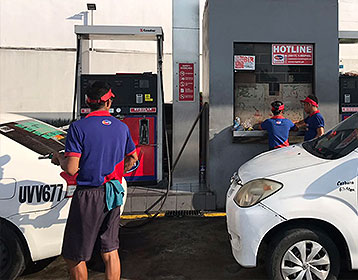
35	135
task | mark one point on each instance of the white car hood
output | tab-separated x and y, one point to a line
278	161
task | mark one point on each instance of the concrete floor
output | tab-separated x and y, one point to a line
189	248
140	199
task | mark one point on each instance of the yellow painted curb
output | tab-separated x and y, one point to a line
134	217
143	216
218	214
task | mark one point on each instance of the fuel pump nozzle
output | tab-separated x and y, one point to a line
144	131
50	155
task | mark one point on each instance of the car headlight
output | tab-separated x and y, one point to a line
255	191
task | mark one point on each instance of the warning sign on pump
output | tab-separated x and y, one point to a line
186	81
292	54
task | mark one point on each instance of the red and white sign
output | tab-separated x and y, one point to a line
349	109
244	62
143	110
85	110
292	54
186	81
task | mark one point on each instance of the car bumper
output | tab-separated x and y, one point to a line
247	227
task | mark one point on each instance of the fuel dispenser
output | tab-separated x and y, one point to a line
348	95
139	97
136	105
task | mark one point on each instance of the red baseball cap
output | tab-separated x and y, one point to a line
310	101
104	98
280	108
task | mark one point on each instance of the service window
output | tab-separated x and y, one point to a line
35	135
264	73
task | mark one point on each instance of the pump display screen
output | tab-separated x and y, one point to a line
143	84
348	91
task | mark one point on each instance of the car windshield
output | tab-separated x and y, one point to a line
35	135
336	143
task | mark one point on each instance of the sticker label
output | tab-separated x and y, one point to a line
106	122
349	189
349	109
186	82
244	62
42	130
40	193
292	54
85	110
346	186
147	97
150	30
143	110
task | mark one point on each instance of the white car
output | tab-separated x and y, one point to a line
296	207
34	198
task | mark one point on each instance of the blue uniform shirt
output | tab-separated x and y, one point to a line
313	121
102	142
278	129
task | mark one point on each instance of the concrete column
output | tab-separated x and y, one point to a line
186	92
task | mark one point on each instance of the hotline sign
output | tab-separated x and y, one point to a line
186	81
292	54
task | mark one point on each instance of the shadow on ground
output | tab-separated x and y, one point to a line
172	249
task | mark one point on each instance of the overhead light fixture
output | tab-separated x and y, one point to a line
91	6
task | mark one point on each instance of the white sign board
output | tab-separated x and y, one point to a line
292	54
244	62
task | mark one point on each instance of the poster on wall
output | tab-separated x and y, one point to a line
244	62
292	54
186	82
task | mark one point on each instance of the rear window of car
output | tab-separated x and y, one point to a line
35	135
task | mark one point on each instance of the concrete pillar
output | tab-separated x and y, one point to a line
186	92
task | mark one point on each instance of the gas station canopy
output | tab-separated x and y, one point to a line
108	32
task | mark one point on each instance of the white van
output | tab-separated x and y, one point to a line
34	198
296	207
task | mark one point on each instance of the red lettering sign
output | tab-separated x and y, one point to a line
186	81
349	109
292	54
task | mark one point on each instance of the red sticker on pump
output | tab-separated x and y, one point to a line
85	110
143	110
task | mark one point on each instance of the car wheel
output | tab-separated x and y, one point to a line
12	260
303	254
